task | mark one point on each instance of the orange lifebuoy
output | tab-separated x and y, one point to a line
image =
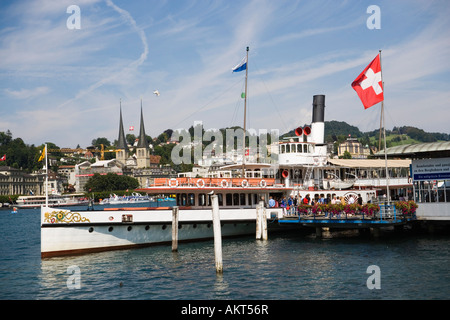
202	184
173	185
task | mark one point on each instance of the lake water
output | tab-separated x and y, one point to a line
293	265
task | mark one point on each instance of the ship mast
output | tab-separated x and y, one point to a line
382	122
245	116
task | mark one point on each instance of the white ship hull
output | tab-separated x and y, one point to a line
75	232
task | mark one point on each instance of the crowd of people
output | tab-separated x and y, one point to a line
296	201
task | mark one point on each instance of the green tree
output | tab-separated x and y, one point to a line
97	142
110	182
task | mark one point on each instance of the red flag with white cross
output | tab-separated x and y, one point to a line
368	85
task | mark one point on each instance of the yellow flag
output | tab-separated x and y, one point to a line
42	155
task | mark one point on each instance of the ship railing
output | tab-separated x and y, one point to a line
388	211
214	182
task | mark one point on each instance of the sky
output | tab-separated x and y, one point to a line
64	83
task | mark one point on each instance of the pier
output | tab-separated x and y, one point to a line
356	217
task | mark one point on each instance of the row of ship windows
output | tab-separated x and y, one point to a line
230	199
296	148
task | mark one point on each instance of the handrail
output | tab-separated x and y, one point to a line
213	182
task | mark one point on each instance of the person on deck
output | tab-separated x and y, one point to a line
271	202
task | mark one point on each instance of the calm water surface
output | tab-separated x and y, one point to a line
295	265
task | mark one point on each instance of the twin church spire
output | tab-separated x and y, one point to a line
142	149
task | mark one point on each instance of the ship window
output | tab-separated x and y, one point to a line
236	199
249	199
220	197
202	199
242	199
299	148
229	199
305	148
288	148
283	148
183	199
191	199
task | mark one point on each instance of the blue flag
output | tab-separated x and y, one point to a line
241	66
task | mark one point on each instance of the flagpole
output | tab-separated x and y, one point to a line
245	116
388	195
46	176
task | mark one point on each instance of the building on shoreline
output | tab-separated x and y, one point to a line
15	182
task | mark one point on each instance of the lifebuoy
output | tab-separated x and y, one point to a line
173	185
224	183
410	180
200	183
244	183
263	183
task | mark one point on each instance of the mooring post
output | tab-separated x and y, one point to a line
319	232
259	208
217	234
175	211
263	217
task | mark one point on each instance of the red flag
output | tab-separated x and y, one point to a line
368	84
3	158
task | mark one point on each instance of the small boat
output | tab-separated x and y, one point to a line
338	184
14	210
134	198
54	200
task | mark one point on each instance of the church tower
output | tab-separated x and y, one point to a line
142	149
122	146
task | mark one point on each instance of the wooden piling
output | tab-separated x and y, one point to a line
264	235
217	234
175	212
258	221
319	232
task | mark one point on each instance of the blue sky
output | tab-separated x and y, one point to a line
64	86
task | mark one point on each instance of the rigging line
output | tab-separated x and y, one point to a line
270	96
386	110
368	118
208	103
237	107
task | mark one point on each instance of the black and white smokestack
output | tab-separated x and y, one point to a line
318	108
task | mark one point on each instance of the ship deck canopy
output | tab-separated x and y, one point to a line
369	163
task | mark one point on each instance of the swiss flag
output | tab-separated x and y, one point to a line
3	158
368	84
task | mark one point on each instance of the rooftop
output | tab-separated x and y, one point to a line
429	149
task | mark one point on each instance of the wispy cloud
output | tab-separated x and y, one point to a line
27	93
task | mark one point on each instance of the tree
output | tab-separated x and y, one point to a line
97	142
110	182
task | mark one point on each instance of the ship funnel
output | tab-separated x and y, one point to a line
318	120
318	108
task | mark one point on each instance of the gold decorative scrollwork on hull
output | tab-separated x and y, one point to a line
64	217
